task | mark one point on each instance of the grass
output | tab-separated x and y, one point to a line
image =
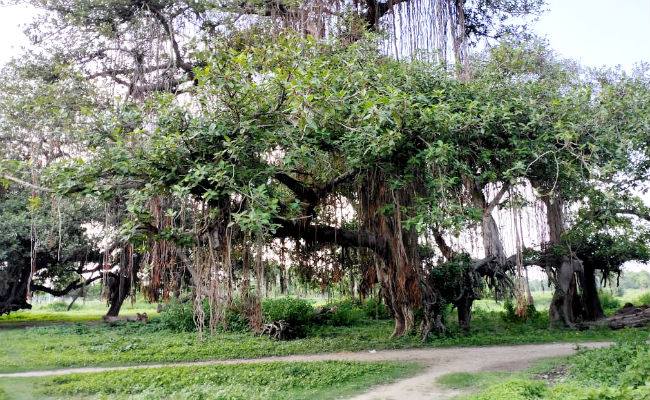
620	372
466	380
273	381
82	312
79	345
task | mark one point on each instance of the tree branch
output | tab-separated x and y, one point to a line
497	199
25	183
62	292
324	234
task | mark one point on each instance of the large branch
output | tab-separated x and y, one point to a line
497	199
324	235
62	292
636	213
312	195
169	30
445	249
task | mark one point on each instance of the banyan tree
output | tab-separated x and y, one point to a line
333	131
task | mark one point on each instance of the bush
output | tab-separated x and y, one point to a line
61	306
297	312
235	318
375	309
345	313
608	301
510	313
178	317
644	299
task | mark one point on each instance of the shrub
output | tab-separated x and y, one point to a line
644	299
510	313
614	363
61	306
345	313
235	318
297	312
375	309
178	317
608	301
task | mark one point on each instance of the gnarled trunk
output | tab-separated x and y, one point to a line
399	269
562	310
121	284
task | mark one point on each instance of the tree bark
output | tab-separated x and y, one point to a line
562	307
120	284
592	309
13	286
464	308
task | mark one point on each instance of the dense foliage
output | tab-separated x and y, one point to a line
216	155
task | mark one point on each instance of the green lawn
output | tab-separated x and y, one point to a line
82	312
77	345
272	381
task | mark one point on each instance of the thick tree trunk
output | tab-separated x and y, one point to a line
562	307
13	286
399	264
492	244
592	309
119	288
118	292
120	285
464	308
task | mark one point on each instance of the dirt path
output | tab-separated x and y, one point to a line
436	362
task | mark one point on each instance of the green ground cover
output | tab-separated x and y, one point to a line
272	381
76	345
621	372
92	310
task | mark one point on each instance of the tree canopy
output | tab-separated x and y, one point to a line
212	142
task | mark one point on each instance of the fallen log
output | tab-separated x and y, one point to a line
627	317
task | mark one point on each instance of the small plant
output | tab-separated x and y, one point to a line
510	313
235	318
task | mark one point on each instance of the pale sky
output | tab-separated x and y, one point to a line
593	32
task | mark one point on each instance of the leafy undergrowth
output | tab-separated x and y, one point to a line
621	372
275	381
98	345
